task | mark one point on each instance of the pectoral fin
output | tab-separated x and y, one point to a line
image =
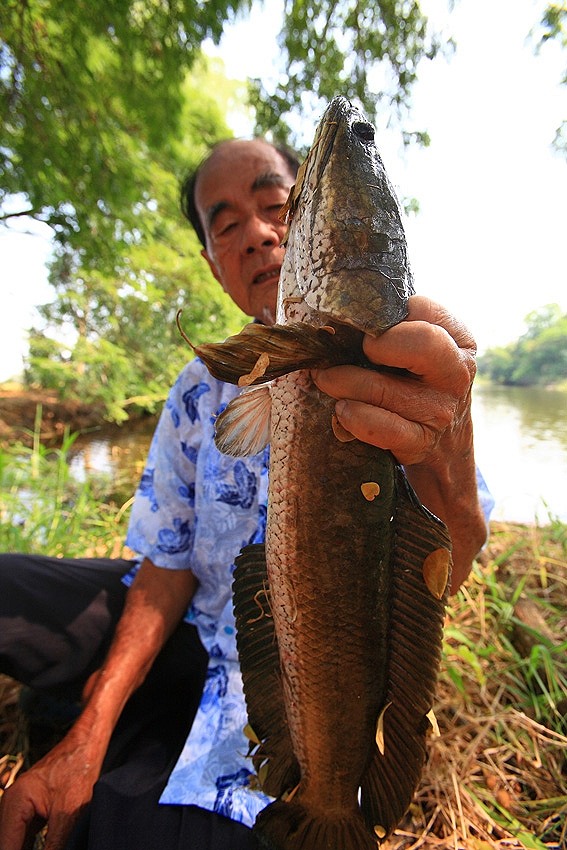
260	353
243	428
273	759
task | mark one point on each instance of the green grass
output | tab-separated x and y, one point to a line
497	775
44	509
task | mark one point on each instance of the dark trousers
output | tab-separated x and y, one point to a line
57	619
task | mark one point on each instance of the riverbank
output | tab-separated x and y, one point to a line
43	413
24	411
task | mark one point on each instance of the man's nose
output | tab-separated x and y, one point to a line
260	233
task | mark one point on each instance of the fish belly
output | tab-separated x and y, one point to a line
328	548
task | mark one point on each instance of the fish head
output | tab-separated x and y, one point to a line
346	242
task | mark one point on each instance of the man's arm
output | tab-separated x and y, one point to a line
423	418
55	789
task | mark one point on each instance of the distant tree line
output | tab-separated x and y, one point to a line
538	357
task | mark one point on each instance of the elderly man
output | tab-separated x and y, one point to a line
173	647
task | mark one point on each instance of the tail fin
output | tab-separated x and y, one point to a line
290	826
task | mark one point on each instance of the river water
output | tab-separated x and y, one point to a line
520	438
521	448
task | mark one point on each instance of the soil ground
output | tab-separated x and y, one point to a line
20	410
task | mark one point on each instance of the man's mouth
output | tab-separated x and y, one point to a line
271	274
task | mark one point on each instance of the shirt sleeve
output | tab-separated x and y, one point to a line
162	521
485	497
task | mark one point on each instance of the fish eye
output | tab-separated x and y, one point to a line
363	130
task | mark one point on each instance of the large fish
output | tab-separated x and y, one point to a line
340	615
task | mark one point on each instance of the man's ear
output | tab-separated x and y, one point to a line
212	266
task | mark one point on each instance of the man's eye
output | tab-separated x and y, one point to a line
224	229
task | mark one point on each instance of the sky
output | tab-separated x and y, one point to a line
490	240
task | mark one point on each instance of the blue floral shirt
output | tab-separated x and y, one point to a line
195	508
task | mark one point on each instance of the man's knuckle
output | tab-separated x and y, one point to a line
377	394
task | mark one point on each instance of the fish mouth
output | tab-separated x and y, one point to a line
267	275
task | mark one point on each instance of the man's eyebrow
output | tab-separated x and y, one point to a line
262	181
270	178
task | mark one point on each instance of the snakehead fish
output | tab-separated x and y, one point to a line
340	614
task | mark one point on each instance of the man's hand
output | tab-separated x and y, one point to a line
422	415
53	791
411	413
57	788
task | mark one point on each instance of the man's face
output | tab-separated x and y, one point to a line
239	194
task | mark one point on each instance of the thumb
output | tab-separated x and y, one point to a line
18	826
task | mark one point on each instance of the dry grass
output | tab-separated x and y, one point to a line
13	733
497	775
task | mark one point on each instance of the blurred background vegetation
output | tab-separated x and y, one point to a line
105	106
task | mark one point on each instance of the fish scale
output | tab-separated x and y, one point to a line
339	669
322	585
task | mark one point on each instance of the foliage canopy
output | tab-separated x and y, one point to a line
123	349
553	26
90	94
368	52
104	106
